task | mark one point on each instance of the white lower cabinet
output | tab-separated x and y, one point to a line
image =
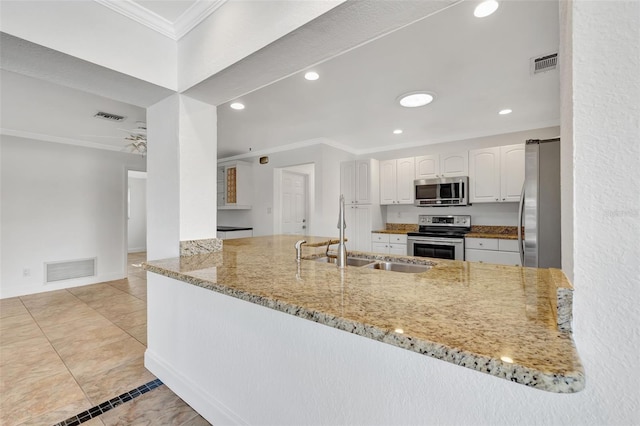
492	250
389	243
360	221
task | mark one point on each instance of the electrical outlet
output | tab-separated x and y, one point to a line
26	272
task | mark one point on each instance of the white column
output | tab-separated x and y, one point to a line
198	157
181	181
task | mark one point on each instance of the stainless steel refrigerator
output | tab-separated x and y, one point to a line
539	211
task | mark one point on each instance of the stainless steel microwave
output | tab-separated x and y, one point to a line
442	192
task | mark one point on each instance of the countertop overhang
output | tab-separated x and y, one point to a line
510	322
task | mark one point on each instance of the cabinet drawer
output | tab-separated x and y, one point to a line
492	256
400	249
379	238
398	239
508	245
481	243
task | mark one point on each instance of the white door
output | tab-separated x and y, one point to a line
294	203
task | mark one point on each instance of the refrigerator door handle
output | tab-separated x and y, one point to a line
520	239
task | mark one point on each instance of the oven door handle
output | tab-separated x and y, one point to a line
444	241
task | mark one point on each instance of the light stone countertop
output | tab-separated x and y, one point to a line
507	321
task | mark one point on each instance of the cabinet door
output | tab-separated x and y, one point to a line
427	167
456	164
512	172
350	231
363	188
388	182
348	181
380	247
405	171
362	225
484	175
492	256
400	249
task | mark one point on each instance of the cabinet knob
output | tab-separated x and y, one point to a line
503	199
497	199
480	244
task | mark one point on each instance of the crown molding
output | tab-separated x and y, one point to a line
66	141
189	19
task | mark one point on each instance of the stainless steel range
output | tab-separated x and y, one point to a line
441	237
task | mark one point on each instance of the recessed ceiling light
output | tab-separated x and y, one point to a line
397	132
237	105
312	75
485	8
415	99
505	111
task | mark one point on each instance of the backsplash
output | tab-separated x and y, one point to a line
497	214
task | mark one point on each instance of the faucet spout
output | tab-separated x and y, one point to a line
341	259
298	247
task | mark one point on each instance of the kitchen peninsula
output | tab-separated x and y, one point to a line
509	322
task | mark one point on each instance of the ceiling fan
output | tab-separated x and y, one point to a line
137	137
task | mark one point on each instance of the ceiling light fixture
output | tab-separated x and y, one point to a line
397	132
505	111
415	99
485	8
312	76
237	105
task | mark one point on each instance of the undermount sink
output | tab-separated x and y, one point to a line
410	268
351	261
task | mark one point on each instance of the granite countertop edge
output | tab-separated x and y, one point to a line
569	382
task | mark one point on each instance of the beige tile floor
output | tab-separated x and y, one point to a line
63	352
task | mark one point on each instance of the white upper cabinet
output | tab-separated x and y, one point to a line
442	165
359	181
496	174
511	172
235	187
396	181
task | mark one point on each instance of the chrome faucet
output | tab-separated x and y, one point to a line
298	246
341	259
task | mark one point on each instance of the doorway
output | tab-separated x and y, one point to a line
294	195
136	223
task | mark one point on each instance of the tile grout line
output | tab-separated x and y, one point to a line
110	404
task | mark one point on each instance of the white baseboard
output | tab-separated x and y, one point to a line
209	407
136	249
14	291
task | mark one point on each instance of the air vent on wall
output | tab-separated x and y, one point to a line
110	117
544	63
67	270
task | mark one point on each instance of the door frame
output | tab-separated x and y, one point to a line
127	171
305	169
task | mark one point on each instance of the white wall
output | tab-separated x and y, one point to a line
61	202
137	223
326	162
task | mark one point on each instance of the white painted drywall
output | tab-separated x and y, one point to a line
90	31
238	29
137	221
61	202
163	179
198	137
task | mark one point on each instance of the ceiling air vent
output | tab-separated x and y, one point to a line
544	63
110	117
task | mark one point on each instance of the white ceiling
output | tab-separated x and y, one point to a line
37	109
475	66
